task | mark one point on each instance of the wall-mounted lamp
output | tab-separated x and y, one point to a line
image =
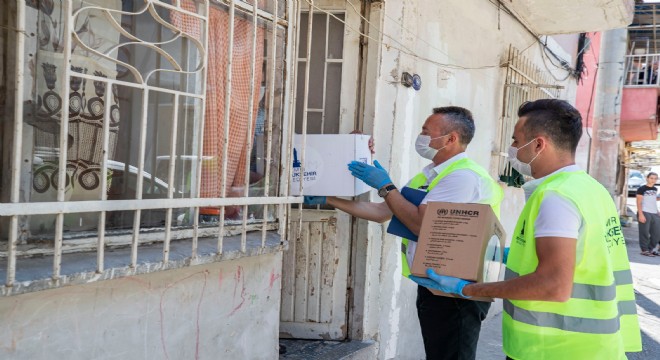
409	80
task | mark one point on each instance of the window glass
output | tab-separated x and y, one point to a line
135	72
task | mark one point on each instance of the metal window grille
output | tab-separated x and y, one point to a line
523	82
325	70
172	93
642	70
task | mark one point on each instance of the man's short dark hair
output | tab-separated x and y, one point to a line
556	119
458	119
651	174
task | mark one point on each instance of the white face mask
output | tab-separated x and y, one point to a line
424	149
521	167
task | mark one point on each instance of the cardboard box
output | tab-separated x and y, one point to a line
460	240
326	164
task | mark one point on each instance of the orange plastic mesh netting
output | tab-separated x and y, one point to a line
215	96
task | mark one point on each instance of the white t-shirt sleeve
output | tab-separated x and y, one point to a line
461	186
557	217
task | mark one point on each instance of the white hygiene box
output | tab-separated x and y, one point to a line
326	164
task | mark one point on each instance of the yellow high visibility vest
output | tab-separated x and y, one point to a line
420	179
599	321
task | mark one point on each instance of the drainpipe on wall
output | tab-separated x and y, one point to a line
604	157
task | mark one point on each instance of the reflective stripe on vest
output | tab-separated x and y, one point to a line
599	321
571	323
420	180
592	292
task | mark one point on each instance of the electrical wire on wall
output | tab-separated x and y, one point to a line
556	60
584	43
546	52
545	64
591	99
400	46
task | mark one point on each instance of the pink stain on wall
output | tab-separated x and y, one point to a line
239	281
273	278
199	304
586	91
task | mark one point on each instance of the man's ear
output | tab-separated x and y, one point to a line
541	143
453	136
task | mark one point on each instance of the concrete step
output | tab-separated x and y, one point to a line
366	353
327	350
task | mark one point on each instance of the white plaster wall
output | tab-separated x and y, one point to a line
225	310
417	35
582	151
569	43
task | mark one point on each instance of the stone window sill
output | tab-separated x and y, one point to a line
35	273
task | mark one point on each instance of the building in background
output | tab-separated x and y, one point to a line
146	149
639	109
641	90
633	103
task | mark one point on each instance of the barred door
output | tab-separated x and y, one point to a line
315	267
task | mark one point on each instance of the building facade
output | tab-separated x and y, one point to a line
146	149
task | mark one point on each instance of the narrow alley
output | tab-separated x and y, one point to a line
224	179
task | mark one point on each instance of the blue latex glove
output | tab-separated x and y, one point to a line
315	200
505	255
374	176
446	284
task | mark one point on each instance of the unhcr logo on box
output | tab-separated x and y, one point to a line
457	212
308	175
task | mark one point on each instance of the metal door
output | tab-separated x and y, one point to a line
315	267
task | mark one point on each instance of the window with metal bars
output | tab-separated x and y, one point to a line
524	82
139	123
642	70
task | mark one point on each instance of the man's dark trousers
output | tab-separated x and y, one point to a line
649	231
450	326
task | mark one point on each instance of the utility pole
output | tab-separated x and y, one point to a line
604	155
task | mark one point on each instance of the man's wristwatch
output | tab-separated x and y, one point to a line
382	192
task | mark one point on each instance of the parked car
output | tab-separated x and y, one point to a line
635	180
121	185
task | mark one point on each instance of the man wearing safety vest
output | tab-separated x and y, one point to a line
450	326
568	291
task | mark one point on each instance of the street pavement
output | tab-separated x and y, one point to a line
646	277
